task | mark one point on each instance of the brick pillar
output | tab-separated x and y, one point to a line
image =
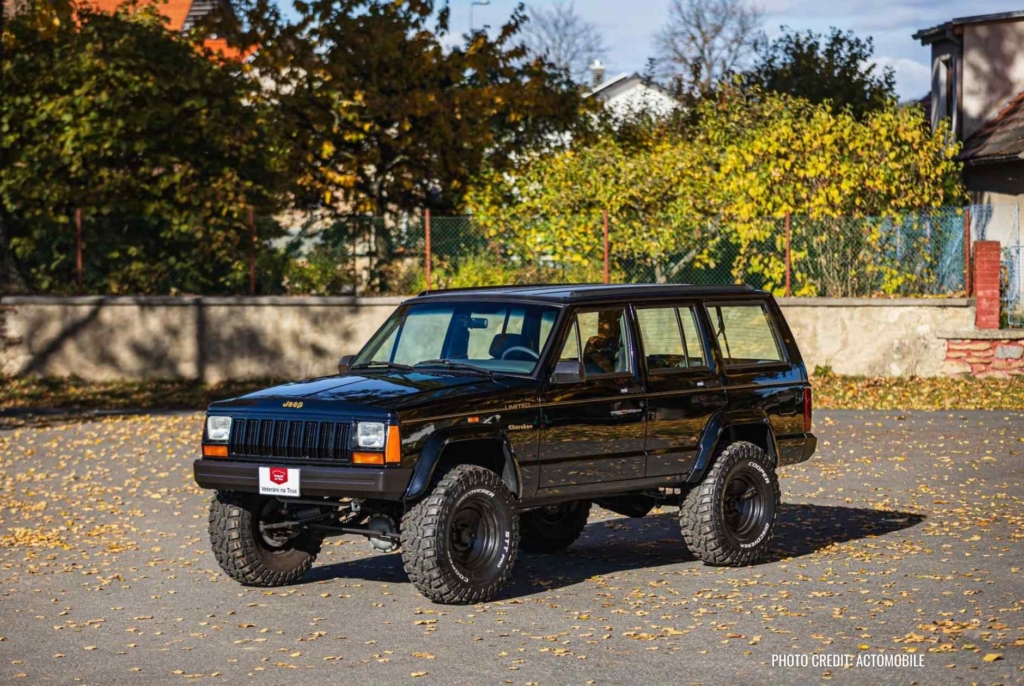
986	284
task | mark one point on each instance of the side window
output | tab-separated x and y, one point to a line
547	322
571	349
745	334
671	338
603	336
696	355
663	344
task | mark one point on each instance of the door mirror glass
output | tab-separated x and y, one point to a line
344	363
567	372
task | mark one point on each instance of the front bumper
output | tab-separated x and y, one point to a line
795	450
317	480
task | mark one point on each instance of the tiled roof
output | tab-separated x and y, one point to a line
178	17
1001	136
174	10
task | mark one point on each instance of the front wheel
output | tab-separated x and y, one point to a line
459	543
729	518
250	552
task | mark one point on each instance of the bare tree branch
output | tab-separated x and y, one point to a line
565	38
705	40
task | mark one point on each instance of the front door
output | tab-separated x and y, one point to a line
593	431
683	387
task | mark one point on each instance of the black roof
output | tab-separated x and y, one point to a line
587	292
933	33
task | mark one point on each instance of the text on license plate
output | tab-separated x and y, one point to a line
279	481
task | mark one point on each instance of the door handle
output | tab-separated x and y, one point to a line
620	413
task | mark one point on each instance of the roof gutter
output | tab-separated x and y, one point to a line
978	161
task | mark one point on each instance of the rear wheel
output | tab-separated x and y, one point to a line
729	518
553	528
250	549
459	543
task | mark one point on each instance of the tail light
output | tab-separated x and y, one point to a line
807	409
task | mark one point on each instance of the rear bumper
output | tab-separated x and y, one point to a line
797	449
338	482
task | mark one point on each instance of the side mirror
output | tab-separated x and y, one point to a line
567	371
344	363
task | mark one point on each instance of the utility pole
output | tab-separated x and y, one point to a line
472	4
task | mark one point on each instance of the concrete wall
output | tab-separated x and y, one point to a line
222	338
876	337
199	338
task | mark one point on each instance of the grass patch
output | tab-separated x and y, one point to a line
831	391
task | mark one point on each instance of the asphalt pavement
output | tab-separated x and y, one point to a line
897	559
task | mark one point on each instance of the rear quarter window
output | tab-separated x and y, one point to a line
746	334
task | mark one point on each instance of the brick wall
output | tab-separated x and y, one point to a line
986	284
986	358
986	351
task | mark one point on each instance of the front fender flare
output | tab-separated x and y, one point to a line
430	457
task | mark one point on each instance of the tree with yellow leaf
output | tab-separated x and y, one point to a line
718	180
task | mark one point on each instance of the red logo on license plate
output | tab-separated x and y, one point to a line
279	475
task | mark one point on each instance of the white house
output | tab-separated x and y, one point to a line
627	93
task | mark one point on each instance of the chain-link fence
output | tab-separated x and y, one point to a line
912	254
319	253
1012	286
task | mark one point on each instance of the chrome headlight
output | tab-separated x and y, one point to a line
370	435
218	429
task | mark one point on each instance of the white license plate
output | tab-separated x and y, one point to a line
279	481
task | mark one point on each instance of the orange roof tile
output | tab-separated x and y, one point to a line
175	11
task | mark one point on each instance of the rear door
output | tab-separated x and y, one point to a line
683	385
593	431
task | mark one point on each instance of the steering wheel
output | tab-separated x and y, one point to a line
521	349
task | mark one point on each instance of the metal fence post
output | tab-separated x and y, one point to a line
607	266
426	240
252	251
78	251
789	260
968	282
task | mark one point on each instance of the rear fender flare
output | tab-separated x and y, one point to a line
433	450
717	433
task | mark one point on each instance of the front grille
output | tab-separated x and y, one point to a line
288	439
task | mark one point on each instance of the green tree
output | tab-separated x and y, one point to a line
837	68
162	147
385	118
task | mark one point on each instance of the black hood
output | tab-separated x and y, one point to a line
359	394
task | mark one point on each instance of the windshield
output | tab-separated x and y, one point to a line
462	336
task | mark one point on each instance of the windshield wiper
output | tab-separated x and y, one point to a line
454	364
382	365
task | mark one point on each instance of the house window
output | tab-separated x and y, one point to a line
947	102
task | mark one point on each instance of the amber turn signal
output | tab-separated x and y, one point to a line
215	451
393	451
368	458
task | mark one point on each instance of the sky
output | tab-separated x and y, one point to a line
629	26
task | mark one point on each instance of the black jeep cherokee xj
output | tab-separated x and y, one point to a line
479	421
